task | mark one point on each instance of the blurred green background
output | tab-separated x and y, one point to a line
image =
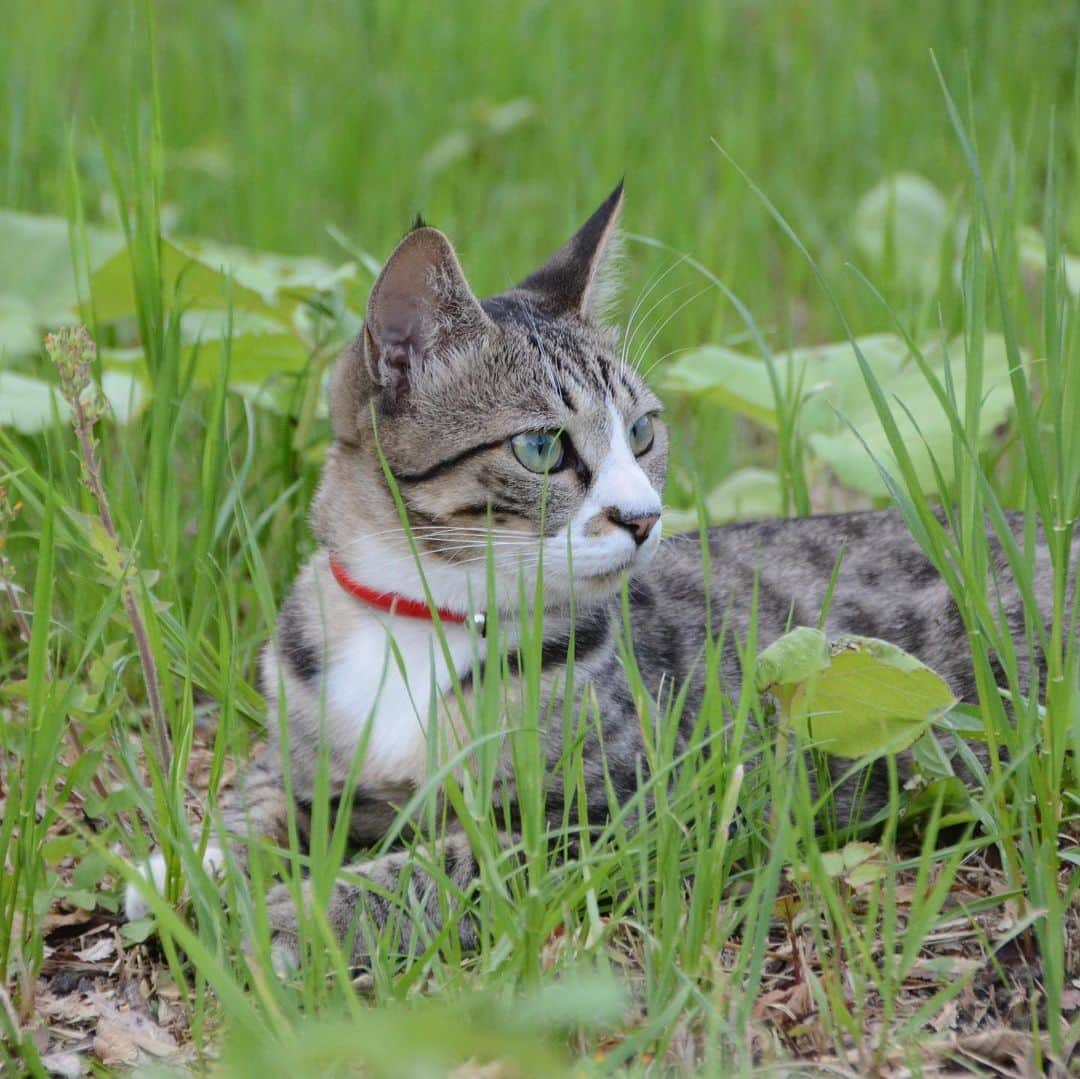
506	123
323	129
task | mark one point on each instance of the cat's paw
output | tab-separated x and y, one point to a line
284	929
154	873
342	912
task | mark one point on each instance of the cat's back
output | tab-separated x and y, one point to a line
864	569
793	559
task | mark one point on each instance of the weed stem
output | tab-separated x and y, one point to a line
72	349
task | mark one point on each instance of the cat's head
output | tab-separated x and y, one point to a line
516	409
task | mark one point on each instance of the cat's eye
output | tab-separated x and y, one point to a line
641	434
538	451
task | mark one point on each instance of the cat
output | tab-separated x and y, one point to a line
514	422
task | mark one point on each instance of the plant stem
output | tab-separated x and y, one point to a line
83	428
72	350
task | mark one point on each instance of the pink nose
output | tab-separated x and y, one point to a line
639	526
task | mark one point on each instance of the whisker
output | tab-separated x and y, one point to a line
644	318
454	547
666	356
426	529
686	303
471	535
642	297
507	553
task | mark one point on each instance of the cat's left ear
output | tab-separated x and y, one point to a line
421	308
579	279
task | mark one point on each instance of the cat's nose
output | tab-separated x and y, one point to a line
638	525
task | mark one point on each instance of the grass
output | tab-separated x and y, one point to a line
679	945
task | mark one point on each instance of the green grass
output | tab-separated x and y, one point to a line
659	947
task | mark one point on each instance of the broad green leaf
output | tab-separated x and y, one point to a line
138	931
202	284
846	454
745	494
793	659
833	385
18	327
37	266
955	802
868	872
265	291
30	404
727	378
872	697
966	720
836	403
276	278
253	358
899	225
857	863
827	376
80	897
930	758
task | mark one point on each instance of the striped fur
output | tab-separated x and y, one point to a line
432	393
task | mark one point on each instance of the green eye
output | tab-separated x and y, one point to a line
538	451
641	434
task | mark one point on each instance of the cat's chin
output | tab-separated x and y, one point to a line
608	582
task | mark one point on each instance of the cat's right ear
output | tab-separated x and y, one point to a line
421	307
580	279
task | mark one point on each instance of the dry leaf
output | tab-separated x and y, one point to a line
946	1018
113	1044
123	1032
66	1065
99	950
54	920
785	1006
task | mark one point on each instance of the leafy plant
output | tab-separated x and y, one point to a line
276	311
852	697
837	417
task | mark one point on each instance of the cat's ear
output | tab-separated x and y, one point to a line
580	278
421	306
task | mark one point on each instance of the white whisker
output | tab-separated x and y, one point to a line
648	344
643	321
479	535
666	356
637	305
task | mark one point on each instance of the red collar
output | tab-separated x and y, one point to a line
393	603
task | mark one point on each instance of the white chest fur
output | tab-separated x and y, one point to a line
384	682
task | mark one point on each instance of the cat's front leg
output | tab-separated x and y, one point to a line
255	807
401	894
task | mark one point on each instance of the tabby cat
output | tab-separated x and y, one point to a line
514	422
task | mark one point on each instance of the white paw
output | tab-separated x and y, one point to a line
284	957
154	871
